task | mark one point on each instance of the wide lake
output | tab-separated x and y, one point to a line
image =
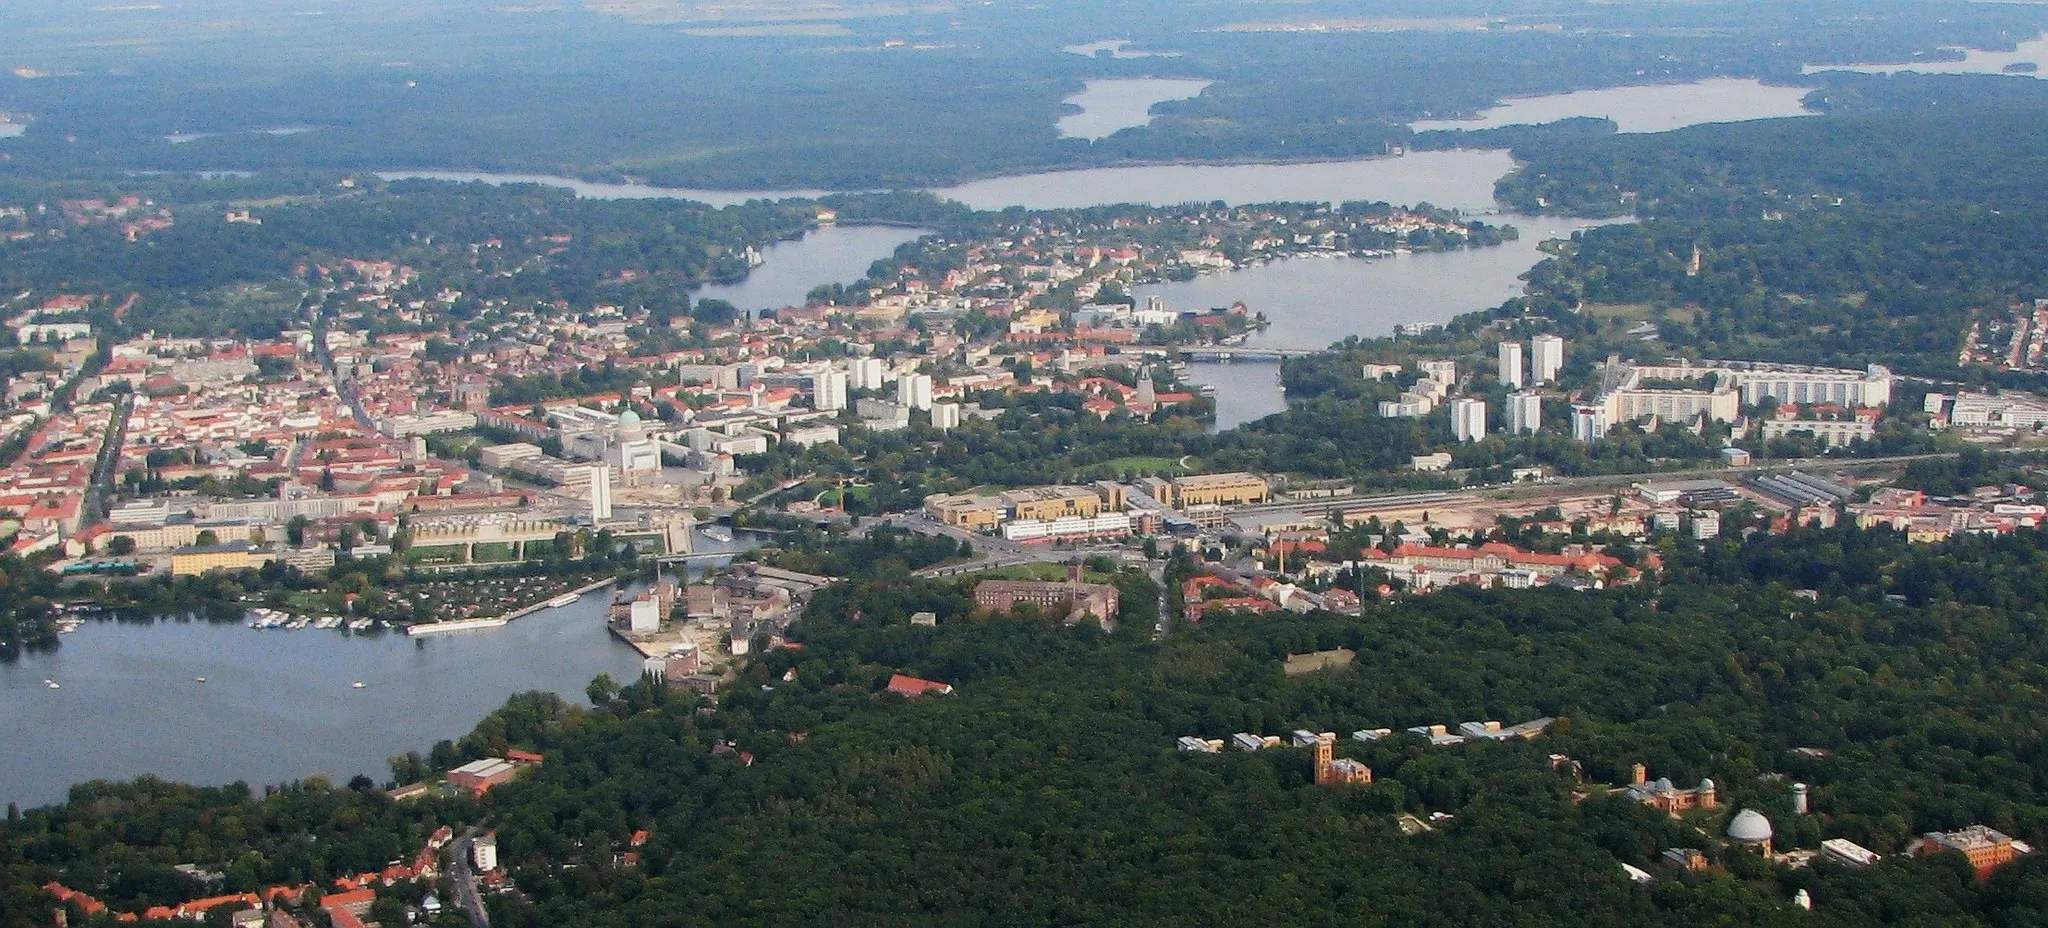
1460	179
1647	108
1113	105
1313	302
276	705
833	254
1974	61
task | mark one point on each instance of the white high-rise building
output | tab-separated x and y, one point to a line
867	374
1511	365
600	492
1589	422
914	391
828	390
1443	372
1525	413
1547	358
1468	419
945	416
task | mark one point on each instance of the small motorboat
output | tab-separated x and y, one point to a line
52	684
199	679
356	685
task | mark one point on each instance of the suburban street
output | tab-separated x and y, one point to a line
464	879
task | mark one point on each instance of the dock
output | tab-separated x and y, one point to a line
463	625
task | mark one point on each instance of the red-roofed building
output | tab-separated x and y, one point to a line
912	687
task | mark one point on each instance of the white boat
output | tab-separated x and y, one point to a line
563	600
199	679
717	534
356	685
52	684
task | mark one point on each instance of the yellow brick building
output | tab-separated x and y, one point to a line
974	513
1219	490
1044	504
196	560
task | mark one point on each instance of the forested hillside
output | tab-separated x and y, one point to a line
1046	790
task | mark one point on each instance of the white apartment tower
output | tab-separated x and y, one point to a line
945	416
600	492
1525	413
1468	419
867	374
1589	422
828	390
1511	365
1547	358
914	391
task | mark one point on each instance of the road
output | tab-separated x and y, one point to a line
466	895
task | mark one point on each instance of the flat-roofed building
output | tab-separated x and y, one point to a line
1827	432
478	776
1722	405
198	559
974	513
1233	489
1044	504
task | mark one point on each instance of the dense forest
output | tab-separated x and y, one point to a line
1046	790
897	97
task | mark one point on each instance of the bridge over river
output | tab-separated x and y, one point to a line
1240	353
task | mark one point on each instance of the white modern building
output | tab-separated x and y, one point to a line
1546	357
867	374
1589	422
1525	413
828	390
600	492
1511	365
945	416
1468	419
914	391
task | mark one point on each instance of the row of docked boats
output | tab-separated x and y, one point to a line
267	618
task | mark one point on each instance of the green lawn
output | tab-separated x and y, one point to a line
1141	466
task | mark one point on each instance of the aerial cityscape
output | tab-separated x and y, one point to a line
1349	462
